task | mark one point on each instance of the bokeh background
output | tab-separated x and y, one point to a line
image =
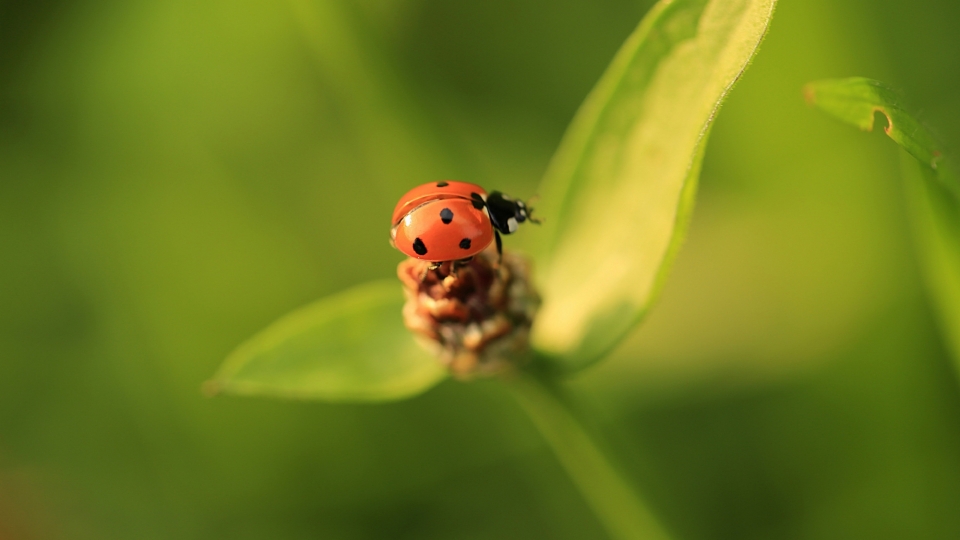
175	175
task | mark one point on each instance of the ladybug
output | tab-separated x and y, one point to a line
453	221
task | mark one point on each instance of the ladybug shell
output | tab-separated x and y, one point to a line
443	230
444	189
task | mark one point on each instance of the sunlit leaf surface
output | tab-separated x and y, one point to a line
349	347
931	183
618	193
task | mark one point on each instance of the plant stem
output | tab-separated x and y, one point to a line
621	511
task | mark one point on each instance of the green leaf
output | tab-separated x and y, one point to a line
936	219
619	191
857	101
930	180
352	346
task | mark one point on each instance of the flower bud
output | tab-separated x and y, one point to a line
475	315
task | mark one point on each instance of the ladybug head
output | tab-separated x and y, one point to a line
506	214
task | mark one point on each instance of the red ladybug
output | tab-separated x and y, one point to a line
451	221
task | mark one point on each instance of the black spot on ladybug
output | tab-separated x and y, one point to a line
446	216
465	243
477	200
419	247
442	184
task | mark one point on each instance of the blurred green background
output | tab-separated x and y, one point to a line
176	175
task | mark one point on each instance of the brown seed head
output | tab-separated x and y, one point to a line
477	316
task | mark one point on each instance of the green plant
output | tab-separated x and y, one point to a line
616	200
930	180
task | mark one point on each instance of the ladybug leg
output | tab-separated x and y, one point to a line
434	267
496	234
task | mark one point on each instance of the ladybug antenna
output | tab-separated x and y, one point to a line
528	210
